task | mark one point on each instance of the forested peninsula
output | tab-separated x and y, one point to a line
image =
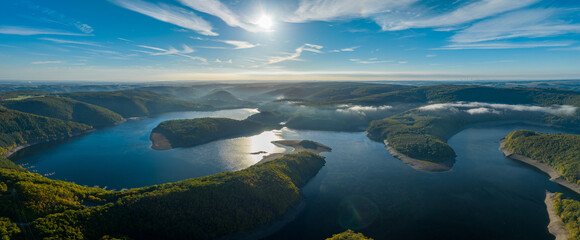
206	207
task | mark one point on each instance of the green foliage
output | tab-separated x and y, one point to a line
8	229
135	103
560	151
349	235
65	109
17	128
206	207
191	132
569	212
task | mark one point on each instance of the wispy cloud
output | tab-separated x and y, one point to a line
504	45
328	10
70	42
350	49
172	51
532	23
55	16
170	14
27	31
218	9
430	55
217	60
464	14
47	62
495	108
370	61
239	44
297	53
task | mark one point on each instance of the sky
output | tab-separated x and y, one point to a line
367	40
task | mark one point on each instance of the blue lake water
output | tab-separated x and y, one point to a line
361	187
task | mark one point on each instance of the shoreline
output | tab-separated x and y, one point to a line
159	142
556	227
17	148
419	165
554	175
295	144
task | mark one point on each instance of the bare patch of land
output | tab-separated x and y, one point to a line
554	175
556	227
160	142
420	165
299	146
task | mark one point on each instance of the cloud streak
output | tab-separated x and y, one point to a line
28	31
297	53
172	51
220	10
362	110
46	62
239	44
169	14
70	42
496	108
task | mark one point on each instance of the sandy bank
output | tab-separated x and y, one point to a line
556	227
420	165
297	147
554	175
159	142
22	146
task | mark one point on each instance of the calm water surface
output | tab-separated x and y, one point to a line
361	187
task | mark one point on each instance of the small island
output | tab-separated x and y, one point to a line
298	147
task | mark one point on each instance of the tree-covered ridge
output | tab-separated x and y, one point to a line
206	207
17	128
569	212
559	151
65	109
135	103
349	235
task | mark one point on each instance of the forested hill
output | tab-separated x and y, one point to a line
65	109
135	103
559	151
192	132
17	128
206	207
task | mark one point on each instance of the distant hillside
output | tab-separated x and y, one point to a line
65	109
17	128
135	103
222	98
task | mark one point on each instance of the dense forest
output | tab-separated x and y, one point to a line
569	212
192	132
135	103
18	128
559	151
206	207
65	109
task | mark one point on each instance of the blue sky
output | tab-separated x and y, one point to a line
146	40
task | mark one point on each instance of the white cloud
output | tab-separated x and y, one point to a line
464	14
362	110
47	62
481	108
430	55
172	51
328	10
504	45
27	31
532	23
170	14
370	61
298	52
240	44
70	42
217	60
218	9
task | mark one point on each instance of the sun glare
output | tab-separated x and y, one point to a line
265	22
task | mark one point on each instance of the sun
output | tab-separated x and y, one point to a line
265	22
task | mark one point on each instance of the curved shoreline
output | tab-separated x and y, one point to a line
419	165
554	175
295	144
556	227
159	142
23	146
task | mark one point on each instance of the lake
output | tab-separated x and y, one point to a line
361	187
